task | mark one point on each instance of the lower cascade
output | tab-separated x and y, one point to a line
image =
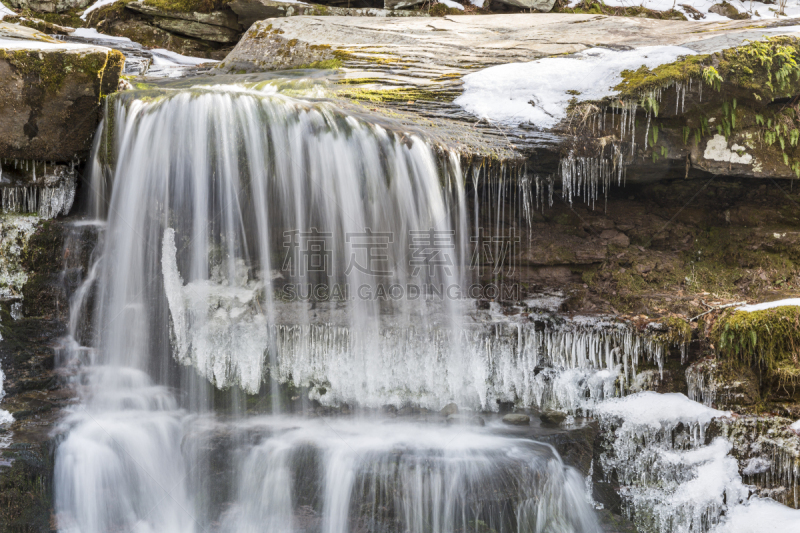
285	328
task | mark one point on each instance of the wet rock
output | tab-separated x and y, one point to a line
553	417
517	419
50	98
449	409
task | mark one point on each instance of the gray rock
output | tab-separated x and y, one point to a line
517	419
49	6
198	30
449	409
226	19
553	417
539	5
50	97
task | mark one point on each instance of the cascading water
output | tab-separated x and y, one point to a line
225	209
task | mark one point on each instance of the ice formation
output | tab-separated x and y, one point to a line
539	94
15	231
49	195
670	481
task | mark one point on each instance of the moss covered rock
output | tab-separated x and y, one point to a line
50	98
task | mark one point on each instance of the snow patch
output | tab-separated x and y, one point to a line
656	410
769	305
24	44
761	515
96	5
451	3
91	33
540	91
5	11
717	150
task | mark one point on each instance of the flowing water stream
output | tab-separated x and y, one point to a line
203	358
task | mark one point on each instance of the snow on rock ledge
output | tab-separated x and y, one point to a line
540	91
654	410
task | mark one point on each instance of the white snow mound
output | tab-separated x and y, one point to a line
537	92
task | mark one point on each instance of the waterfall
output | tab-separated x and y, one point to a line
262	255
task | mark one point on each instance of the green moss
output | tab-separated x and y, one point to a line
767	69
53	68
188	6
637	82
768	339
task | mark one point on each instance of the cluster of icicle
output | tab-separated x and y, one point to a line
670	480
570	365
702	387
770	457
54	193
587	177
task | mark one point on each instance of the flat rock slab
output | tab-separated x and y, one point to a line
50	96
424	47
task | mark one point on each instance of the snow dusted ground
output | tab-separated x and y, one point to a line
765	11
539	92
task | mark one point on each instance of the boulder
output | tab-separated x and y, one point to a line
50	97
517	419
553	417
727	10
449	409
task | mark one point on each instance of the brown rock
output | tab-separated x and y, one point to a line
50	98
